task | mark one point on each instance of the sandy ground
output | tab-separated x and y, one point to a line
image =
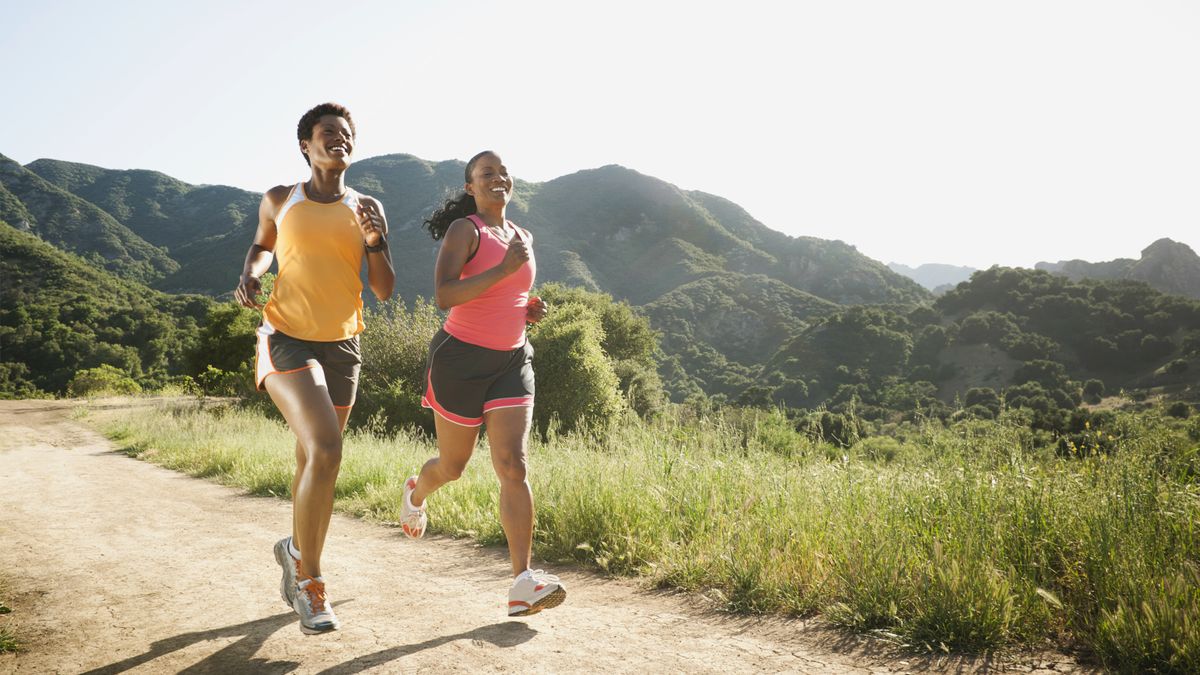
115	564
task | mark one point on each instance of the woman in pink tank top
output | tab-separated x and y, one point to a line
480	367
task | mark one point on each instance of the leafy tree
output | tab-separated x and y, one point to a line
988	326
629	343
576	384
984	397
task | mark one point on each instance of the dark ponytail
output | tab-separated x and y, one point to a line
457	207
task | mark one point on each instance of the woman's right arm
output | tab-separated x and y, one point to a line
448	289
262	251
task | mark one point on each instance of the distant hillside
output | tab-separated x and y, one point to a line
1001	330
720	327
934	276
60	314
160	209
1169	266
724	289
73	224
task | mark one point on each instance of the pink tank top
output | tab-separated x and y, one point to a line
496	318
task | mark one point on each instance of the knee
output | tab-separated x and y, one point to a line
512	469
452	470
325	457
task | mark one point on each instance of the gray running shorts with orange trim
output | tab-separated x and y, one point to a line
463	381
336	364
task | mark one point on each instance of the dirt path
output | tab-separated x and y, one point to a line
116	564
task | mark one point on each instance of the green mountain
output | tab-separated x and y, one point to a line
725	290
162	210
720	326
1169	266
1001	330
76	225
199	225
60	314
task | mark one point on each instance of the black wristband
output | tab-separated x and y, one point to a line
381	246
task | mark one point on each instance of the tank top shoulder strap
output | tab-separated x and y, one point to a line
478	223
294	197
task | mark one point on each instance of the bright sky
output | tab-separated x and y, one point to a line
961	132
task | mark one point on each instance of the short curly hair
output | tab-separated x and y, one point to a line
304	130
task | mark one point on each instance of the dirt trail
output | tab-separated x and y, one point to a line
116	564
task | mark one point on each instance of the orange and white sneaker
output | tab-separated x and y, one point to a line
412	519
313	606
534	590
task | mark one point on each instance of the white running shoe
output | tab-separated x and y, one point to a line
313	606
291	570
533	591
412	519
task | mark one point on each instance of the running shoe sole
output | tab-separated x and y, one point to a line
550	601
320	628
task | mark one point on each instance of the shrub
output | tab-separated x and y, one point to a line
991	327
104	379
841	429
395	346
575	382
216	382
1179	410
628	341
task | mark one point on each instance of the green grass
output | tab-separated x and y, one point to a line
968	538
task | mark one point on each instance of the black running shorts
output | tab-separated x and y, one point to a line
463	381
334	364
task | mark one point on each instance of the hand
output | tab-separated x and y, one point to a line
516	256
371	223
247	292
536	310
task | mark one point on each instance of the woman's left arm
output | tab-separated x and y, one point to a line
380	275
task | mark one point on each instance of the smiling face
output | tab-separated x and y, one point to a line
490	182
330	144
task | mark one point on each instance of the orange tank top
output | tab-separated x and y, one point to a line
318	291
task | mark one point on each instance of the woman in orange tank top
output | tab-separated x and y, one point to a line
308	355
480	366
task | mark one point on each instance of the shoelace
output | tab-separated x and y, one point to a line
315	590
541	577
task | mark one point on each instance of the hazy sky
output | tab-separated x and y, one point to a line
961	132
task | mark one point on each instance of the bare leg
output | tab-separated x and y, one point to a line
311	415
456	443
343	415
508	433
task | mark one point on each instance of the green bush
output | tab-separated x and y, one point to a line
1179	410
629	343
216	382
395	347
878	448
1093	391
840	429
575	382
102	380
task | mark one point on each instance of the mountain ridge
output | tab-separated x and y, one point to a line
1167	265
